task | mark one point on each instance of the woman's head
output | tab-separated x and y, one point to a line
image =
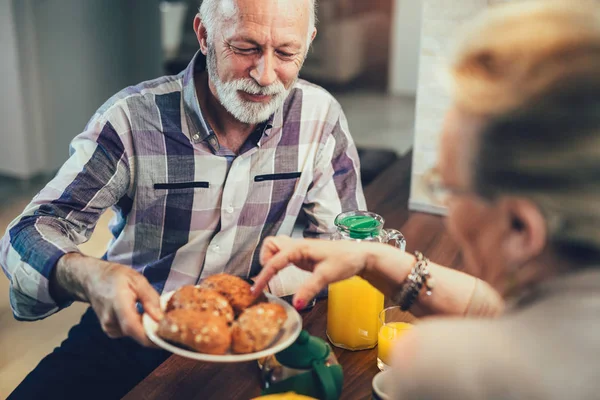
520	148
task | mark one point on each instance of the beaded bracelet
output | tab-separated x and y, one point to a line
418	277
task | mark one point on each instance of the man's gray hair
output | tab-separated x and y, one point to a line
211	11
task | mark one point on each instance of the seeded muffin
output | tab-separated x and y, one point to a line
204	300
235	289
200	331
257	327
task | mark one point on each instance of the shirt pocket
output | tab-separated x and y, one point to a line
282	186
180	195
182	186
277	177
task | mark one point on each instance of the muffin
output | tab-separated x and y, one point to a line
235	289
257	327
203	300
200	331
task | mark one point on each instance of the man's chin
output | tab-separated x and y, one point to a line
251	116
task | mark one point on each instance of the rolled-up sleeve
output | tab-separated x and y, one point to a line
63	215
336	185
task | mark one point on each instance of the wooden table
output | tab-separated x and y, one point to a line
181	378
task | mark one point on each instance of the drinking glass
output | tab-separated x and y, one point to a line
395	323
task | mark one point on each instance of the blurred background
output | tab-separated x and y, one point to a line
61	59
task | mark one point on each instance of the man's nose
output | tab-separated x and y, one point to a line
264	70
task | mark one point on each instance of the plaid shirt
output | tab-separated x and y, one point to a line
185	207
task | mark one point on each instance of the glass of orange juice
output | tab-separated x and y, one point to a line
352	314
394	324
354	304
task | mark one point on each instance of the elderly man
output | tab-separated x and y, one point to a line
199	168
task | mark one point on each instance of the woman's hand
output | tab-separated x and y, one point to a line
329	262
383	266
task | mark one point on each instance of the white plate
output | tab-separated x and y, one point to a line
289	332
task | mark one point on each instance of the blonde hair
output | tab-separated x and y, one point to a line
533	70
515	51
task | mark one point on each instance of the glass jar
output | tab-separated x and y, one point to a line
354	305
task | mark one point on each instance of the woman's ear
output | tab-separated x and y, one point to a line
201	34
526	238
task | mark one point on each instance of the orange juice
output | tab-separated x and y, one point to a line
388	337
353	314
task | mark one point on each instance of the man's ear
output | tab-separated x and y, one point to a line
201	34
313	35
527	235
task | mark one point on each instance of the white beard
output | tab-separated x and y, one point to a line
248	112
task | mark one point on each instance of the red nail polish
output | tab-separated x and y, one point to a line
299	304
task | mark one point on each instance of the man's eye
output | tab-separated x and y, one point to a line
284	54
240	50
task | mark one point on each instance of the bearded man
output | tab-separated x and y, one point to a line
199	169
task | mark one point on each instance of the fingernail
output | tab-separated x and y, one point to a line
253	289
299	304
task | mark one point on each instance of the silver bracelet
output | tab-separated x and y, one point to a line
418	277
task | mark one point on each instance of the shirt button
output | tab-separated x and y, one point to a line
216	247
230	210
196	137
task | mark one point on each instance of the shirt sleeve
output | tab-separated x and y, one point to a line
336	185
63	215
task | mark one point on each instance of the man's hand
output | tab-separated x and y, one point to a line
111	289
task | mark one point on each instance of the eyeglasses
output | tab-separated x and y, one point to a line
436	190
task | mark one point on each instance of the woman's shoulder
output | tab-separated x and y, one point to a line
450	358
532	354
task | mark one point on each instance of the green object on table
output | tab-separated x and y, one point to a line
316	372
360	226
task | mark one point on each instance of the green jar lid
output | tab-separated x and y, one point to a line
360	226
303	352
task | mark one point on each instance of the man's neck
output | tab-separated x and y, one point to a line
230	132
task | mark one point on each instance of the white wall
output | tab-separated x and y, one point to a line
72	55
14	155
405	45
93	55
441	21
29	67
144	23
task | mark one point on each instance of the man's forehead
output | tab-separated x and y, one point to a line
277	13
297	6
267	21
